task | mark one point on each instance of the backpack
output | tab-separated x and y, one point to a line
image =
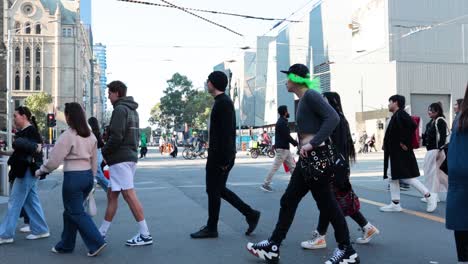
415	138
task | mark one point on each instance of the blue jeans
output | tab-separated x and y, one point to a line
76	187
101	180
24	195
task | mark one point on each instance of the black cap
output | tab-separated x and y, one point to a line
298	69
219	80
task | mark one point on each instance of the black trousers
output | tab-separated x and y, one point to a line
461	240
326	203
216	179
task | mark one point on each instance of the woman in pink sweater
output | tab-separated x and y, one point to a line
76	149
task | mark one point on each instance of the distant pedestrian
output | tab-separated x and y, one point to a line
121	154
434	138
221	157
25	158
457	215
316	120
101	180
143	146
456	110
399	159
282	140
341	184
77	149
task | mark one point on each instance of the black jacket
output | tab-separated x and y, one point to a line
25	156
124	133
403	163
430	135
222	144
283	134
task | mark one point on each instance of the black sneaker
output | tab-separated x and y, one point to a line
139	240
265	250
266	188
344	256
252	220
205	232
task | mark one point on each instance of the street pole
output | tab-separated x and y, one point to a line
8	95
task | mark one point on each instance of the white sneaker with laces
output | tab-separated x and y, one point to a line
368	232
431	203
139	240
34	237
25	229
392	207
316	242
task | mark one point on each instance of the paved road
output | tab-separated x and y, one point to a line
173	195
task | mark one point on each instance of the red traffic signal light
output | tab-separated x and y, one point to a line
51	122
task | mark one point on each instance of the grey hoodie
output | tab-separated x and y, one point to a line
124	133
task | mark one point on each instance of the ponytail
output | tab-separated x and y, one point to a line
33	122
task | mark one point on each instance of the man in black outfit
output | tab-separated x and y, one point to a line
221	157
282	140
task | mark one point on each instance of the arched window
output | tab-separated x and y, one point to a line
17	27
27	82
27	28
38	55
38	29
17	80
27	55
38	82
17	54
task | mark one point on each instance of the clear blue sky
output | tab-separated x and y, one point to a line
140	40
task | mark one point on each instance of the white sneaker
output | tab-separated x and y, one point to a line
368	232
25	229
391	208
431	203
424	199
316	242
6	240
34	237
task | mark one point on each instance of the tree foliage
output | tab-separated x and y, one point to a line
181	104
38	104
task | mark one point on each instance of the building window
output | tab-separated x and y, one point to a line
38	55
27	55
17	103
17	27
17	54
27	28
27	82
38	29
17	80
67	32
38	82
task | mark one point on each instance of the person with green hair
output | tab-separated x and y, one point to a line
143	146
316	120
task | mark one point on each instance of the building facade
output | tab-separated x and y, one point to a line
100	53
52	53
3	64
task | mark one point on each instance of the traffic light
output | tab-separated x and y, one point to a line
51	122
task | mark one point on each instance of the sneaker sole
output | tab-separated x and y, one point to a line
265	190
39	236
97	251
256	255
140	244
314	247
7	241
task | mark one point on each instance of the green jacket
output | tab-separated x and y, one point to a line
124	132
143	143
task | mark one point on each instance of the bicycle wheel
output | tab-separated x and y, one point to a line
187	154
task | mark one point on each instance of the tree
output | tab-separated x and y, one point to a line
181	104
38	104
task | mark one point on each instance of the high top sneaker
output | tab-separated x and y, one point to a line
265	250
316	242
347	255
368	232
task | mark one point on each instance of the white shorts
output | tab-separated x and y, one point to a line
121	176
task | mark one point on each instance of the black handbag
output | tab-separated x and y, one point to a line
320	163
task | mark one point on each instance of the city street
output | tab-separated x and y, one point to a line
173	195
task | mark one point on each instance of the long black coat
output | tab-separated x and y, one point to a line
403	163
